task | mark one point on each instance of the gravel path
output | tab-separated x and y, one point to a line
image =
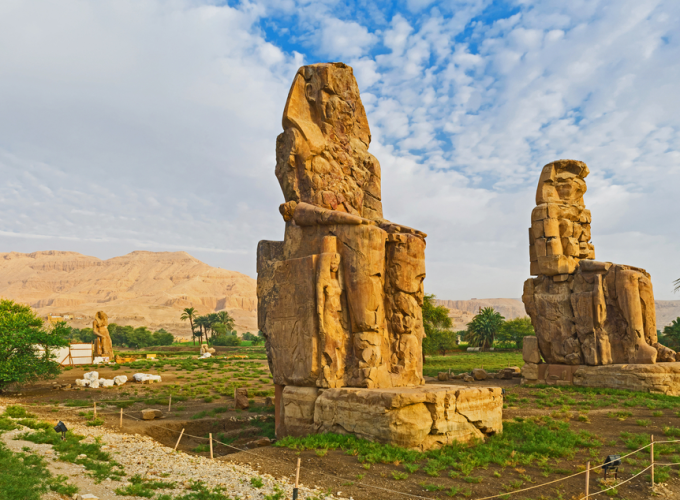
146	457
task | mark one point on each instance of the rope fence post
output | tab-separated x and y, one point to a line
95	410
169	403
651	453
180	437
121	418
211	450
587	479
297	480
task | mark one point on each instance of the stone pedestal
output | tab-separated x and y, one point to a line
659	378
421	418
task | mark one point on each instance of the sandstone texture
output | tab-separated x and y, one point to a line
462	312
139	289
420	418
584	312
151	414
530	350
659	378
339	300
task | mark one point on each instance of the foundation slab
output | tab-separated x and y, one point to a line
658	378
423	417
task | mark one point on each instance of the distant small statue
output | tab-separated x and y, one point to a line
206	350
103	346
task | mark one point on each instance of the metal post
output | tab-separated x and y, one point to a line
587	480
121	418
651	452
180	437
297	480
211	451
169	403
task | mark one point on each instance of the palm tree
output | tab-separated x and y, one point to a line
484	327
677	285
226	320
203	324
189	314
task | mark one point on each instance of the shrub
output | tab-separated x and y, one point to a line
21	333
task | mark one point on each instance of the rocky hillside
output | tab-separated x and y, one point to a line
462	311
141	288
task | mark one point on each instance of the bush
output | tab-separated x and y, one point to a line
21	333
514	331
226	340
128	336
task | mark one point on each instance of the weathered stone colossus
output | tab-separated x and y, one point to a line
103	346
583	311
339	300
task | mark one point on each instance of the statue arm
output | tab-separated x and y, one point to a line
306	214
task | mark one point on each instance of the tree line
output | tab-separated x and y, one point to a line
124	336
487	329
216	329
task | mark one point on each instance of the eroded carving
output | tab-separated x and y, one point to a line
583	311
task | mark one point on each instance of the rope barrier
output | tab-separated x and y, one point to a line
410	494
624	482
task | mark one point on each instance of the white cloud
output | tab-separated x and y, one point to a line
152	125
342	39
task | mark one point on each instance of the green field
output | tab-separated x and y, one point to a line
466	361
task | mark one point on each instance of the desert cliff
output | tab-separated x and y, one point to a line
139	289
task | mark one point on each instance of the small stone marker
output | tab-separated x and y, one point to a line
241	398
151	414
530	352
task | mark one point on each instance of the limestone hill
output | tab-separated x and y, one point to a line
141	288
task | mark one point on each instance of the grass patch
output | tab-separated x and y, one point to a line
142	487
98	463
466	361
25	476
520	443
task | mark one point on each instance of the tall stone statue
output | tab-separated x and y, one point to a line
584	312
340	297
103	346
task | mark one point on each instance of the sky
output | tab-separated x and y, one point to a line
151	125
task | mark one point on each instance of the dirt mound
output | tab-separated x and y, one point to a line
138	289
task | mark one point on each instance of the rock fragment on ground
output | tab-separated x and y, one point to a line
241	398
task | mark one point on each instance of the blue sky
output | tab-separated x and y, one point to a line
128	125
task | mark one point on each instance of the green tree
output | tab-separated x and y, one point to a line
514	331
437	323
189	313
670	336
226	340
119	334
203	324
484	327
161	337
21	334
226	319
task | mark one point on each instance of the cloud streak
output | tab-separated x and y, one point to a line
127	125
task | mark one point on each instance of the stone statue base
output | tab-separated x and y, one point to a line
421	418
659	378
